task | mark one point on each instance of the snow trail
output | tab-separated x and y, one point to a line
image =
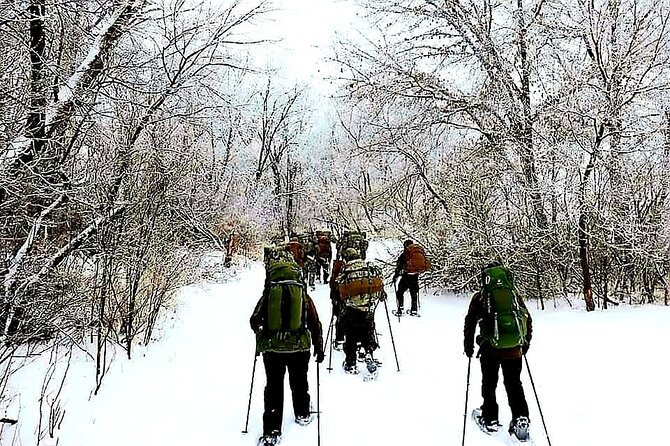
192	385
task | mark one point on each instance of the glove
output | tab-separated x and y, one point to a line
320	356
525	347
469	350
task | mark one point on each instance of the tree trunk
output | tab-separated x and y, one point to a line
36	125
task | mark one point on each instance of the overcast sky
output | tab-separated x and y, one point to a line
307	29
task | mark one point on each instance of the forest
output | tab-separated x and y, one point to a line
138	135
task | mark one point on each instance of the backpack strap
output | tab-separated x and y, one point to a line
288	282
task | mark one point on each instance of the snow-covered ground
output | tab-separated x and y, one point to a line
601	378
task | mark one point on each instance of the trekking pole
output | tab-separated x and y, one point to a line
318	406
538	400
251	389
391	331
330	354
467	390
395	292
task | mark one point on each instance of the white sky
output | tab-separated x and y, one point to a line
306	30
601	379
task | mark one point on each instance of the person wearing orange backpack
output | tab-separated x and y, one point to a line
297	250
324	253
410	264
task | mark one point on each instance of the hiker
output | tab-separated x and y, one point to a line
411	262
324	253
352	239
361	286
297	250
309	248
505	331
338	305
286	323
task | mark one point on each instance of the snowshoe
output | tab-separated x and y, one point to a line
371	369
486	426
398	313
269	439
519	428
370	363
414	313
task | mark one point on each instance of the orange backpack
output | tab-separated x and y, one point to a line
296	249
417	262
324	248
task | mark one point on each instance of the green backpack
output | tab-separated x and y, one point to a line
286	327
353	239
505	322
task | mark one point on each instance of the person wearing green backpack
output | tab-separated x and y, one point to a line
286	324
505	331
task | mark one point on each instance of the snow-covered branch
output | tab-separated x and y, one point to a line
76	242
17	261
60	111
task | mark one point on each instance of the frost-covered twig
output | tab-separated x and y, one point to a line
10	277
77	241
60	111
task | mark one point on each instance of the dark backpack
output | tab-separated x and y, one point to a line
505	321
417	262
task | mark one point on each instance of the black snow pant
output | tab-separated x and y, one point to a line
338	312
324	264
359	330
275	367
408	282
511	369
310	270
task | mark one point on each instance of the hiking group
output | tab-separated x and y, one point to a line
287	325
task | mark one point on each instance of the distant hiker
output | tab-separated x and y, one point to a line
338	305
297	250
286	324
324	253
505	331
361	286
309	248
410	264
352	239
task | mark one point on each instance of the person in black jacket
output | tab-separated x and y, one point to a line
286	351
492	360
408	281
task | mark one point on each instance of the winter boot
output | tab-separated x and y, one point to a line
360	355
352	369
304	420
488	426
519	428
270	439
